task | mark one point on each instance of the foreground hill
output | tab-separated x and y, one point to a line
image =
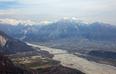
7	67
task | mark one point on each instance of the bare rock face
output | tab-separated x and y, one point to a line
2	41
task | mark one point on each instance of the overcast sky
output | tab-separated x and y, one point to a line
89	10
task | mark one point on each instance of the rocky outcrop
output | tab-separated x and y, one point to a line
2	41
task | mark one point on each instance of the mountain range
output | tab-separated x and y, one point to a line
61	29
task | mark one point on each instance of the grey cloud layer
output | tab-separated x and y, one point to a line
99	10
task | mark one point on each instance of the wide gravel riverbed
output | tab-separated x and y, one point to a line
76	62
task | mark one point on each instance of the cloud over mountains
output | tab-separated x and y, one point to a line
102	10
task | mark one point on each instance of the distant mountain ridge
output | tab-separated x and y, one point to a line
61	29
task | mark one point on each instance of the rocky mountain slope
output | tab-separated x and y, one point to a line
9	45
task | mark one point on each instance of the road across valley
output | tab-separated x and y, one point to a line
76	62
